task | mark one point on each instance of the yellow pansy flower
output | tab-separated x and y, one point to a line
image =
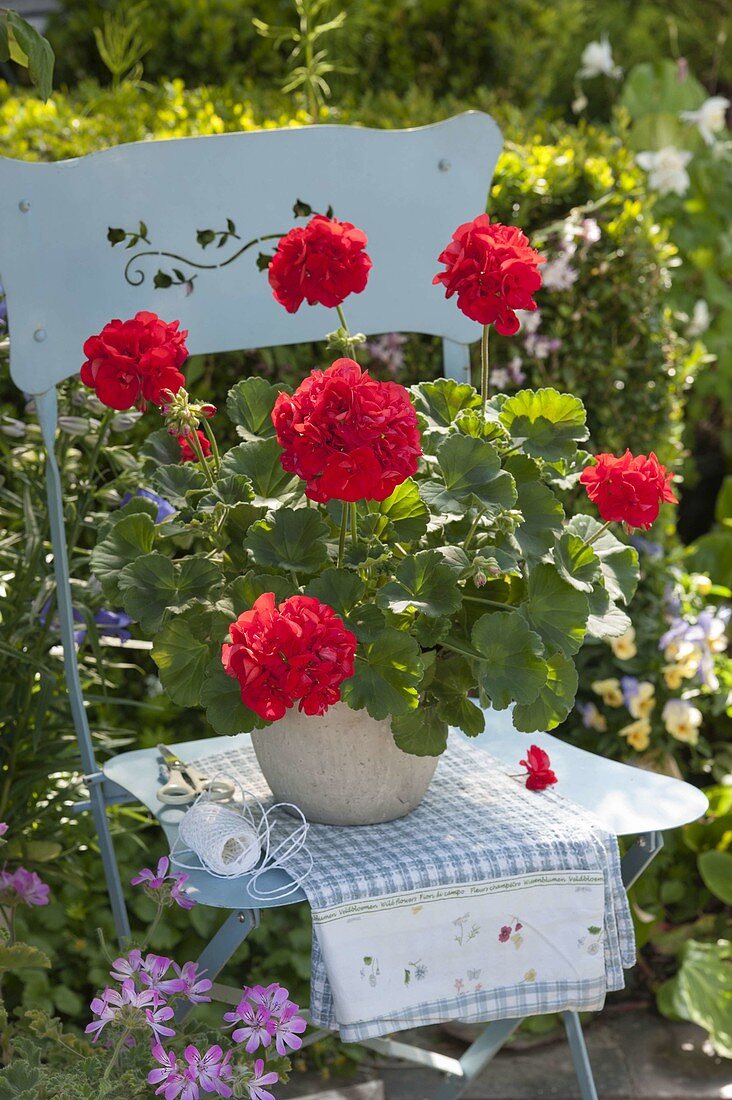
624	647
643	701
610	692
638	734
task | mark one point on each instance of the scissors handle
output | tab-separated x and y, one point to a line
176	791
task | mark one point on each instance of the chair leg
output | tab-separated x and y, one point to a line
580	1058
476	1058
215	956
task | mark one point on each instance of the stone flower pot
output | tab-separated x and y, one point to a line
341	769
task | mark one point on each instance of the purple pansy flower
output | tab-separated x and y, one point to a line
110	624
165	508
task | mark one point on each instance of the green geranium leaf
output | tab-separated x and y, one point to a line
430	632
260	462
701	991
154	583
25	45
542	512
549	423
130	538
172	482
230	491
339	589
246	590
716	870
461	712
291	538
182	651
249	405
618	562
423	582
388	671
20	956
441	401
606	620
421	733
161	449
367	622
512	668
556	610
555	699
221	696
471	473
406	513
576	562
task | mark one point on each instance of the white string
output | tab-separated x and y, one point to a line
228	841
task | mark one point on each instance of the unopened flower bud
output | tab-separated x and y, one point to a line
208	410
125	421
74	425
14	429
479	578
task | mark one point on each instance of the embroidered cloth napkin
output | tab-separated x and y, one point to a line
488	902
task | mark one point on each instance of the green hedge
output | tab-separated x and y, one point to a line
445	46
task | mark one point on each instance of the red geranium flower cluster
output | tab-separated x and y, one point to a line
347	435
187	454
299	651
493	270
540	775
629	489
132	362
321	263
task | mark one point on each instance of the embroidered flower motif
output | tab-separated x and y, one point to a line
493	270
320	263
298	652
347	435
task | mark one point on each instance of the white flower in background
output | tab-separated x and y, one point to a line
529	320
590	231
682	720
710	118
516	371
700	319
579	104
500	378
666	169
597	60
559	274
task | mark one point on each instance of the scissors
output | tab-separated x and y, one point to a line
185	782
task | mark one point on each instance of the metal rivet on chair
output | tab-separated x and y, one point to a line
24	206
444	165
39	335
242	918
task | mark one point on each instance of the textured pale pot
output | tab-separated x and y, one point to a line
343	768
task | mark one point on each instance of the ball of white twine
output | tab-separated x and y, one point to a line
224	841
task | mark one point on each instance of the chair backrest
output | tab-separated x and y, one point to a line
65	278
83	241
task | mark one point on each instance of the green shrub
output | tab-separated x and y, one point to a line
445	46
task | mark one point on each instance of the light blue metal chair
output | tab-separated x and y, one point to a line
64	279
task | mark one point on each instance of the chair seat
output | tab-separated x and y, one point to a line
625	799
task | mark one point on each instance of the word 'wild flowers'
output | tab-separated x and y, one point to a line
297	652
347	435
134	362
493	270
629	489
320	263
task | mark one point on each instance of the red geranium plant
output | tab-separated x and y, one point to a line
402	550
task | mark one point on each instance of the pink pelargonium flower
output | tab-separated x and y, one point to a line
3	828
126	966
194	987
162	878
157	1018
259	1080
258	1025
153	972
114	1001
289	1027
168	1077
212	1070
24	886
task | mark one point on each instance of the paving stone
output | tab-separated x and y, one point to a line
635	1055
301	1087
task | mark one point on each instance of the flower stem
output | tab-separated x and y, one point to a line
344	528
116	1053
214	445
196	444
83	501
600	531
484	368
473	528
153	926
354	522
350	345
491	603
